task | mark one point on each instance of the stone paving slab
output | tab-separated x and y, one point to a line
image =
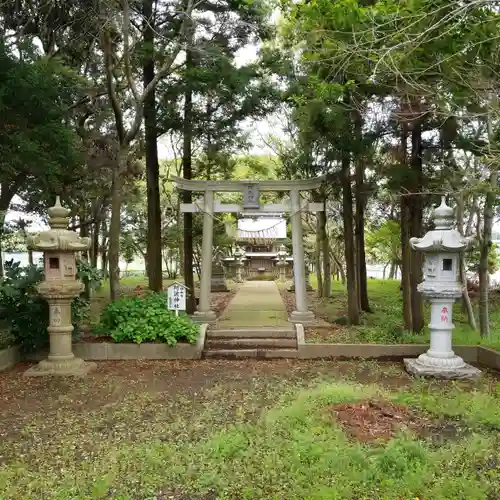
256	304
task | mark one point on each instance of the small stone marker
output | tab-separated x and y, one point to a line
176	294
218	278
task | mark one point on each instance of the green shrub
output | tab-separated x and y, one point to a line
26	313
90	276
145	319
7	338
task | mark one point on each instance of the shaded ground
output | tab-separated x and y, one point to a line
237	429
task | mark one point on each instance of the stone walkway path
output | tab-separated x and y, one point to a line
256	304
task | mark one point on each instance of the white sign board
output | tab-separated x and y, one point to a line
176	294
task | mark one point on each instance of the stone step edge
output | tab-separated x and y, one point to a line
256	334
250	343
251	353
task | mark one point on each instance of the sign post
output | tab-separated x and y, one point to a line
176	294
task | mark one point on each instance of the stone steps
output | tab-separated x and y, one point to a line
256	333
251	343
250	353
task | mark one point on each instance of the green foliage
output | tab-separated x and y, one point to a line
145	319
385	324
22	307
89	275
38	152
25	313
472	259
384	244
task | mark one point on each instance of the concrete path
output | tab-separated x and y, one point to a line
256	304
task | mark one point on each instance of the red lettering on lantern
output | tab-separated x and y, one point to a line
444	318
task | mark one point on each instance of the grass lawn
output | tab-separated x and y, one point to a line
246	430
385	323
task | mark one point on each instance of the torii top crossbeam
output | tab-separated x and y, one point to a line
240	185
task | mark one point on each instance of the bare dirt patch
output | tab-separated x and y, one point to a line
372	421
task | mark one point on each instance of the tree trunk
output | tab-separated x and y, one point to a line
416	217
319	246
406	265
115	225
484	276
405	239
360	232
325	250
466	303
84	233
7	192
155	278
3	213
104	246
350	258
489	203
340	268
94	253
392	270
187	172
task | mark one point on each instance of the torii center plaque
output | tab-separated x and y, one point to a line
251	196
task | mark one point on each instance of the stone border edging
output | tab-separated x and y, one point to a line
9	357
488	357
377	351
470	353
108	351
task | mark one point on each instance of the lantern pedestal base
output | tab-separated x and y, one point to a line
304	318
204	317
460	371
73	367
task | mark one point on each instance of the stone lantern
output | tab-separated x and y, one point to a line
59	288
238	262
442	248
307	276
282	255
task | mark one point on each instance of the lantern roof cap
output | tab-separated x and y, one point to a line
58	215
58	237
444	217
444	238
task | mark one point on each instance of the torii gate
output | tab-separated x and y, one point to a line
251	203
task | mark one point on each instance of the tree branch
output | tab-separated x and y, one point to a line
110	85
126	50
161	73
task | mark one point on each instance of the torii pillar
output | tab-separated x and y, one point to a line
251	192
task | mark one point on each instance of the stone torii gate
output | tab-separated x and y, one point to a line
251	203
